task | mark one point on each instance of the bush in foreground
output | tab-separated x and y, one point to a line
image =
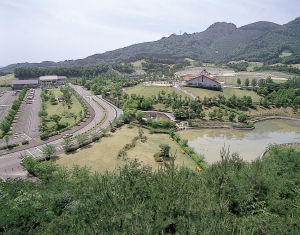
231	196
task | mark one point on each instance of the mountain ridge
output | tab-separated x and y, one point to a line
220	42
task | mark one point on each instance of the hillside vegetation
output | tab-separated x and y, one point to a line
221	42
230	197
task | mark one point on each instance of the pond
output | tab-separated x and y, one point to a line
250	144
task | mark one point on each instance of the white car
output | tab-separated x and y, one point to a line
67	135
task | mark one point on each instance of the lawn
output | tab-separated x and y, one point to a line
148	91
62	110
102	155
227	92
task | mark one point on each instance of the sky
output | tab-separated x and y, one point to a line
56	30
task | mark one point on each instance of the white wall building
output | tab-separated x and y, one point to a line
202	80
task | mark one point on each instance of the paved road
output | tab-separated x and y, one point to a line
10	163
6	101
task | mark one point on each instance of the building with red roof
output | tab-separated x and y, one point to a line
202	80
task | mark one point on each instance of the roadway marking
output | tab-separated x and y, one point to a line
38	149
59	148
30	153
26	137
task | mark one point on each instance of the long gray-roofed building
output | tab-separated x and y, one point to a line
52	80
19	84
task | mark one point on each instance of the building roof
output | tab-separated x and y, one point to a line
189	78
24	82
52	78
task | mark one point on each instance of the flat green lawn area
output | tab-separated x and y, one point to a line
62	110
102	155
148	91
227	92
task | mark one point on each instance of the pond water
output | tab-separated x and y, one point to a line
250	144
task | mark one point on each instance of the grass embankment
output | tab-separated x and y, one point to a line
62	110
102	155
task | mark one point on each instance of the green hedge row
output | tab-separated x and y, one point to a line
189	151
7	122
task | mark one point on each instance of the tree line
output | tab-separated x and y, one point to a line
76	71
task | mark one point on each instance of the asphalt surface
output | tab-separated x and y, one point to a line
6	100
29	121
10	163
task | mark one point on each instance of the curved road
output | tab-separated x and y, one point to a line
10	163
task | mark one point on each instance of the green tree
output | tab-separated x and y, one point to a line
247	82
242	117
164	150
212	114
141	132
254	82
56	118
49	151
67	144
81	139
6	139
231	116
5	126
220	115
75	117
139	115
261	82
238	81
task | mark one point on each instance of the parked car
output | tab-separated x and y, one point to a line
68	135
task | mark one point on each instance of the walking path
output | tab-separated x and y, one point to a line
186	92
169	115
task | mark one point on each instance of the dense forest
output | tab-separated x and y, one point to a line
221	42
230	197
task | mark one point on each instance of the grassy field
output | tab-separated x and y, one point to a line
148	91
227	92
102	155
62	110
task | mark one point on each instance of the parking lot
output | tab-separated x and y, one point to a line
28	122
6	100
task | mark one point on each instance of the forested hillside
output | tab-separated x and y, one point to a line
230	197
221	42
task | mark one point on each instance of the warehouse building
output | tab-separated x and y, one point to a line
52	80
20	84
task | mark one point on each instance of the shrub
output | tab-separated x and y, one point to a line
157	157
25	142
